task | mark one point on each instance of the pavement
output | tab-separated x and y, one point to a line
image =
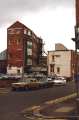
64	108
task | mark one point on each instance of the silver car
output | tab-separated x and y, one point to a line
60	81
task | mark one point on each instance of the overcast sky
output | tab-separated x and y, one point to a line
53	20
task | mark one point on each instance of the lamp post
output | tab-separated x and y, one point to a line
76	40
23	64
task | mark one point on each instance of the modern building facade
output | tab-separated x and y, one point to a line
62	63
24	48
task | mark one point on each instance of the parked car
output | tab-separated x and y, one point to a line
61	77
29	83
49	78
10	76
19	86
60	81
3	76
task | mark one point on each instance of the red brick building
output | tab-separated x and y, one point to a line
24	48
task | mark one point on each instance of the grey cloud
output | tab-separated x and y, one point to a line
33	4
10	8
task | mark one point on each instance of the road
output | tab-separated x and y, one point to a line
13	103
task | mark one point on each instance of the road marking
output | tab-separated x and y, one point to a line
64	109
4	91
36	109
31	118
58	100
30	108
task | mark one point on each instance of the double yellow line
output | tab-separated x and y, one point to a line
58	100
3	91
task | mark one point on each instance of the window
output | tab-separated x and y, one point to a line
34	36
52	68
19	49
14	31
9	66
53	58
29	44
58	70
18	71
34	46
25	31
11	31
29	51
29	61
1	54
9	56
57	55
18	41
9	42
29	33
17	31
